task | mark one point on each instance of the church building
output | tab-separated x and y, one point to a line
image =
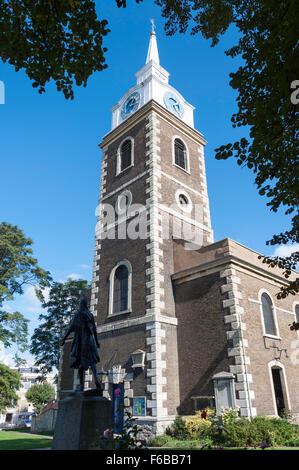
183	321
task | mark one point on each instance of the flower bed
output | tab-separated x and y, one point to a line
228	429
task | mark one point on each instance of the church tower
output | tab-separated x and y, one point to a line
153	198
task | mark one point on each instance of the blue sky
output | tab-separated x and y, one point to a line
50	160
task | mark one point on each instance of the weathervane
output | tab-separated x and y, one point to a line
153	25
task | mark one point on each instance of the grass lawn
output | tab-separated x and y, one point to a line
13	440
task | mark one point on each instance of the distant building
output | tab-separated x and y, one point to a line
45	421
29	376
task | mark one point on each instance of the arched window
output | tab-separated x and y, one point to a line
279	386
278	389
125	157
120	288
123	202
268	315
180	154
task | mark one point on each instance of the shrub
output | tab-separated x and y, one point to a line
272	431
228	415
197	426
223	424
228	429
233	434
292	443
261	429
178	429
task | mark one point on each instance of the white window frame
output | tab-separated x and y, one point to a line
118	161
118	209
189	207
111	289
277	336
277	364
187	169
296	302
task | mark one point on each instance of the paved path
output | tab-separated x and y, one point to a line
44	448
31	434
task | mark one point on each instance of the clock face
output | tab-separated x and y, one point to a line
130	105
173	103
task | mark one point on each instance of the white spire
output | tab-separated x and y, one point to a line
152	53
152	84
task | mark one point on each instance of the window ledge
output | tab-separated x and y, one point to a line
119	313
265	335
120	173
183	169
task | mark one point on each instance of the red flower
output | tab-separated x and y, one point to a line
203	414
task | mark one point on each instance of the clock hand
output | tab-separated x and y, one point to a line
132	102
175	104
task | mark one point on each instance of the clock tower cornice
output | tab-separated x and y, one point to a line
162	112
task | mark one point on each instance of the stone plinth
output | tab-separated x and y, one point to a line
80	419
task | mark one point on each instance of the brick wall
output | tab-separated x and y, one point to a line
138	134
202	344
233	297
116	347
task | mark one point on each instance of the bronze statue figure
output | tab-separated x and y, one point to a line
84	352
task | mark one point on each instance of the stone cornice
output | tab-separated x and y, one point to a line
149	318
217	265
141	113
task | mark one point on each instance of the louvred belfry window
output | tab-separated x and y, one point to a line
180	153
126	155
120	291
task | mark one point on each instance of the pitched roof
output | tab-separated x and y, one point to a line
48	406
